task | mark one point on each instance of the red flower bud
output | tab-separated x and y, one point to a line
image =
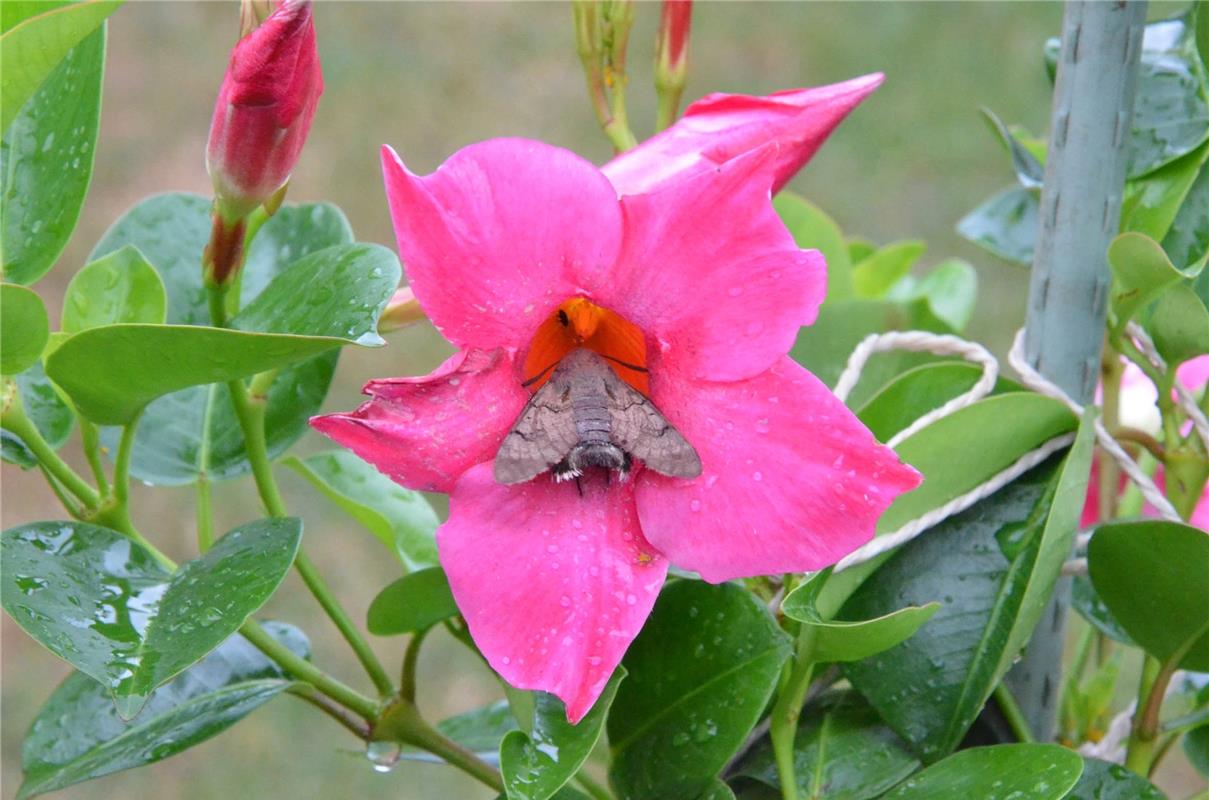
264	109
671	46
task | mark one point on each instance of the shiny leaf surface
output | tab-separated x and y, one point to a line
1001	772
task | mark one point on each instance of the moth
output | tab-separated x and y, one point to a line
587	416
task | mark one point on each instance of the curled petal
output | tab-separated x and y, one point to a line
792	480
425	432
501	234
719	127
709	270
553	585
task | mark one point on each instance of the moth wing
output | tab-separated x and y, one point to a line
542	436
644	433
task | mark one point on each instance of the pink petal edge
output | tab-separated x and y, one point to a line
554	586
424	432
792	480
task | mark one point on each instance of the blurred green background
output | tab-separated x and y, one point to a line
429	78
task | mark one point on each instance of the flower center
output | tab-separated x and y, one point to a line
579	322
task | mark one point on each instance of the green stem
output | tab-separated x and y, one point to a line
90	437
783	722
69	503
250	414
373	667
1013	714
121	466
407	681
594	788
308	693
419	733
1139	752
304	670
205	514
14	421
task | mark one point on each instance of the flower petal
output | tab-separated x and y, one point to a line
425	432
719	127
553	585
710	271
500	235
792	480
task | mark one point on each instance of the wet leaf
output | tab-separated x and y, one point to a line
119	287
45	409
682	714
918	391
103	604
538	763
1102	780
1141	272
1005	224
46	157
482	729
1001	772
78	736
24	328
411	604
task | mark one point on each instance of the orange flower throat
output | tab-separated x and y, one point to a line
581	323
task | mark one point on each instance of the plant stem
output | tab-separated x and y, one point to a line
592	786
90	438
304	670
783	722
205	514
14	421
407	681
307	692
1012	713
121	466
68	502
421	734
1140	748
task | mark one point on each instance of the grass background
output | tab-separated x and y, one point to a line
429	78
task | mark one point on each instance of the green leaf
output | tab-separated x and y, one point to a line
812	228
930	688
1187	239
112	373
171	231
1103	780
1001	772
718	790
994	433
119	287
411	604
402	519
1151	203
873	277
1201	34
78	736
1154	578
1030	173
701	673
31	51
45	409
918	391
301	300
1171	111
1179	325
842	751
481	730
824	347
1005	224
537	764
46	157
24	328
951	289
100	602
851	640
1089	605
1196	746
1141	272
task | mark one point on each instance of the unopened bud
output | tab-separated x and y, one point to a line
671	47
264	109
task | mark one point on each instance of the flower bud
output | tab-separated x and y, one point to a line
671	46
402	310
264	109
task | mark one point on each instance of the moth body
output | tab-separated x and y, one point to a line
586	416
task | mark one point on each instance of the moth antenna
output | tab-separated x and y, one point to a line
538	376
625	364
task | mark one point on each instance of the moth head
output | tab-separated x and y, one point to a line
581	317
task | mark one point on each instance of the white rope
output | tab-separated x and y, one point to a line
922	342
1186	400
958	504
1038	383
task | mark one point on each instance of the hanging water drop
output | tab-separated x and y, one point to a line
382	755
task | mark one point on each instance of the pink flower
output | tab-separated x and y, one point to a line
719	127
1138	410
264	110
520	252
